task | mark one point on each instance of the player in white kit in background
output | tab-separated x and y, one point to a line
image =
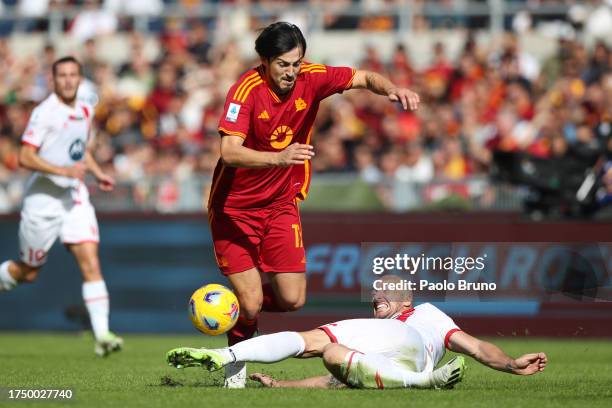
400	348
56	147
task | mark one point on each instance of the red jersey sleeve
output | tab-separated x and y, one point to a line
236	117
330	80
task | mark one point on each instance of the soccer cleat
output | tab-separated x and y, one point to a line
107	344
183	357
235	375
449	374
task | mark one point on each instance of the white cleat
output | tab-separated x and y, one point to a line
449	374
107	344
235	375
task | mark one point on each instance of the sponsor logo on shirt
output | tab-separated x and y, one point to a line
232	112
264	115
76	150
281	137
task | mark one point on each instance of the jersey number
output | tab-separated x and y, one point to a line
297	232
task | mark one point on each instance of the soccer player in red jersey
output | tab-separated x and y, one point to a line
264	170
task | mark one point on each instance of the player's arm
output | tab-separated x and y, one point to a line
324	381
105	182
29	159
383	86
234	154
494	357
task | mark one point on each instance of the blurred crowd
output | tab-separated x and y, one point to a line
157	117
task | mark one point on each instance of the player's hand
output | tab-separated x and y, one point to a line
408	99
105	182
295	154
77	171
264	379
529	364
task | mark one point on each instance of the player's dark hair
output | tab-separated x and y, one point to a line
279	38
65	60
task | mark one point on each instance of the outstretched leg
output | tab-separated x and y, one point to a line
269	348
13	273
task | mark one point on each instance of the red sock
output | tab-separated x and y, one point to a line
243	330
269	300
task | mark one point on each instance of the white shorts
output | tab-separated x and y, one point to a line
49	212
392	339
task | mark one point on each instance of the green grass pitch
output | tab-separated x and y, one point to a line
579	374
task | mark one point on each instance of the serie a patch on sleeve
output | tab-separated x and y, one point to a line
232	112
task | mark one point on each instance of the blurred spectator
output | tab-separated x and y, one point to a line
365	164
165	89
599	63
450	161
199	44
416	166
438	74
89	58
93	21
372	61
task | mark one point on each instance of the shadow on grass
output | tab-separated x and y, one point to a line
168	381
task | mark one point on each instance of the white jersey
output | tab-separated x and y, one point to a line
416	339
61	134
434	326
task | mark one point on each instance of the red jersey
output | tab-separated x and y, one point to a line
268	122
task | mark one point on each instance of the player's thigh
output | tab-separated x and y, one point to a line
247	287
80	224
282	249
371	371
289	288
237	239
37	233
367	335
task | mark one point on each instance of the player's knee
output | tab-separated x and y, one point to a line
314	342
333	357
250	305
293	306
292	303
333	354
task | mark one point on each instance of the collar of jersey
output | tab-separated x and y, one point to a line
68	108
405	313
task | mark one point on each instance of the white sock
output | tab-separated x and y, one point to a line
96	300
269	348
7	282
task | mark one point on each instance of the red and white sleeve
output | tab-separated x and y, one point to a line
36	130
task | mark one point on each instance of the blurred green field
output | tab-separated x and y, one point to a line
579	374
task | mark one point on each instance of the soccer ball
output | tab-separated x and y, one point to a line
213	309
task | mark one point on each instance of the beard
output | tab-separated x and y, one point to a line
68	96
285	85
